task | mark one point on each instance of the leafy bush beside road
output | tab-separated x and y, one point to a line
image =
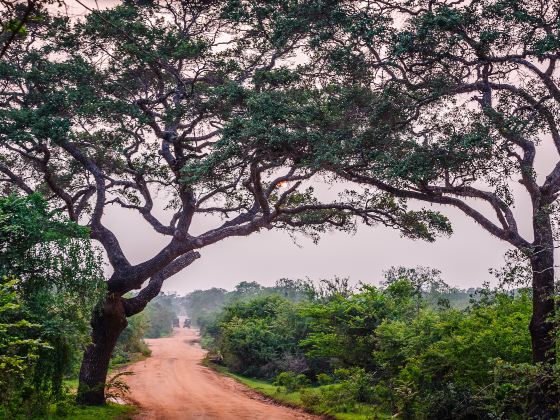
50	282
380	350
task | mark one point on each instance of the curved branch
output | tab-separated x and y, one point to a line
136	304
507	235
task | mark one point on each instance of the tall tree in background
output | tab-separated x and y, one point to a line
448	103
134	101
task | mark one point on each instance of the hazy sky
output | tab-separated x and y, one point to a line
464	258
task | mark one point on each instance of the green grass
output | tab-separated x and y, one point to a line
71	384
108	411
132	358
263	387
293	399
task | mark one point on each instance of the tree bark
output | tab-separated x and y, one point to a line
107	323
545	396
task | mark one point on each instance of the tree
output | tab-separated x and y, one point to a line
477	95
445	103
50	281
15	15
425	280
138	100
203	302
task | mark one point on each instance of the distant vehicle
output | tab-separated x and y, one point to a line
187	323
176	323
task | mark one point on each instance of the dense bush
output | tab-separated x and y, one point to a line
458	364
259	337
291	381
392	349
50	281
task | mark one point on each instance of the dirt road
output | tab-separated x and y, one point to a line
171	384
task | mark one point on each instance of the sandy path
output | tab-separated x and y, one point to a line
171	384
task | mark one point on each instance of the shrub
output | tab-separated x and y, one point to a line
310	398
291	381
324	379
330	399
44	315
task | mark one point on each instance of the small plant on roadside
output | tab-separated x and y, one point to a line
291	381
116	388
324	379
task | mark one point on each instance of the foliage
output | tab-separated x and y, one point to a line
159	316
260	336
342	329
291	381
19	351
381	351
51	281
130	342
116	387
16	15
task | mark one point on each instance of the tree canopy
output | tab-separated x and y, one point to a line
139	101
451	103
237	110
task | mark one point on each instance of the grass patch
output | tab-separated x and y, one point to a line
132	358
293	399
262	387
71	384
109	411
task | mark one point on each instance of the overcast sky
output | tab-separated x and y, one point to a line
265	257
464	258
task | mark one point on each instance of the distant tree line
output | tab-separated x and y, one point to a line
429	287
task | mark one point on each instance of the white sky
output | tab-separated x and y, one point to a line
464	258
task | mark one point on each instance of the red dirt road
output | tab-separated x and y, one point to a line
171	384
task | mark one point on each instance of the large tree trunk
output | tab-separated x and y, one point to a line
545	396
107	324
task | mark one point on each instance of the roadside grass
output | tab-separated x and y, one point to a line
133	358
109	411
71	384
293	399
262	387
